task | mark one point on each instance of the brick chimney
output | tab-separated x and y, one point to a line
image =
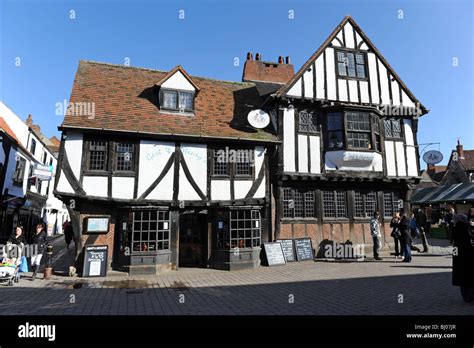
272	72
29	120
460	150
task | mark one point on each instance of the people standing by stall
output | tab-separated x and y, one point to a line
421	222
463	257
396	235
39	241
375	232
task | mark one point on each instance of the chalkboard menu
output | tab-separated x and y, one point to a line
95	261
304	249
288	249
274	254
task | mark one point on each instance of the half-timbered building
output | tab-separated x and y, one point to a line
163	168
348	126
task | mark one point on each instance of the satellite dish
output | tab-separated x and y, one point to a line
432	157
258	118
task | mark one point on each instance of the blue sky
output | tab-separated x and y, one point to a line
421	47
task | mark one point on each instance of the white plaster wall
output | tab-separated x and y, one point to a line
353	96
412	169
73	147
384	83
364	91
308	83
186	191
153	157
295	90
195	156
330	74
122	187
349	35
320	77
63	184
178	81
374	88
342	87
302	153
95	185
354	161
400	158
289	140
241	188
15	123
164	190
390	158
315	154
220	190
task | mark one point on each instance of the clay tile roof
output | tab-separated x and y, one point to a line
126	99
4	127
468	160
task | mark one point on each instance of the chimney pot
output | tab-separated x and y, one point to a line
257	56
287	60
280	60
460	150
249	56
29	120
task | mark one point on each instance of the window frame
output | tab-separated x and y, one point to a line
302	191
354	52
143	231
231	166
111	156
368	214
33	146
373	120
336	215
177	92
18	178
315	121
391	120
395	196
115	153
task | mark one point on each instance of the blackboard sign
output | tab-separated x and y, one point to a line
288	249
274	254
304	249
95	261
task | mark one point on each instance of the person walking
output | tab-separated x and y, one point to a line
68	233
405	237
463	257
421	222
396	235
448	221
39	241
375	232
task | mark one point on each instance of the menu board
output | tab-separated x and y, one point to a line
304	249
96	224
95	261
274	254
288	249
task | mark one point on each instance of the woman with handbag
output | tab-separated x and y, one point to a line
39	241
18	240
396	235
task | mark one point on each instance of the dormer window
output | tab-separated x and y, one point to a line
181	101
351	64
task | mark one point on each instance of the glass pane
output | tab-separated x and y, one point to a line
396	128
359	58
351	65
360	70
185	101
169	99
334	121
388	128
341	68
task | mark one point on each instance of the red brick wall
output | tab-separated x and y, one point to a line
285	231
100	239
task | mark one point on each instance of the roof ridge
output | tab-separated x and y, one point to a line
164	71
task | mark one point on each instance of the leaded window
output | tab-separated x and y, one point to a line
177	100
237	162
19	173
358	130
365	204
307	122
391	203
220	164
299	203
334	204
151	231
335	134
97	155
392	128
351	64
124	156
243	165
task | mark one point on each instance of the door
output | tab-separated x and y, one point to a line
192	239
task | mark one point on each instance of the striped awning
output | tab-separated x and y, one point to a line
451	193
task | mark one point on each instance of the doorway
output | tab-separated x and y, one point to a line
193	239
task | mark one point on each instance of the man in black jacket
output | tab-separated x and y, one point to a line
421	221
